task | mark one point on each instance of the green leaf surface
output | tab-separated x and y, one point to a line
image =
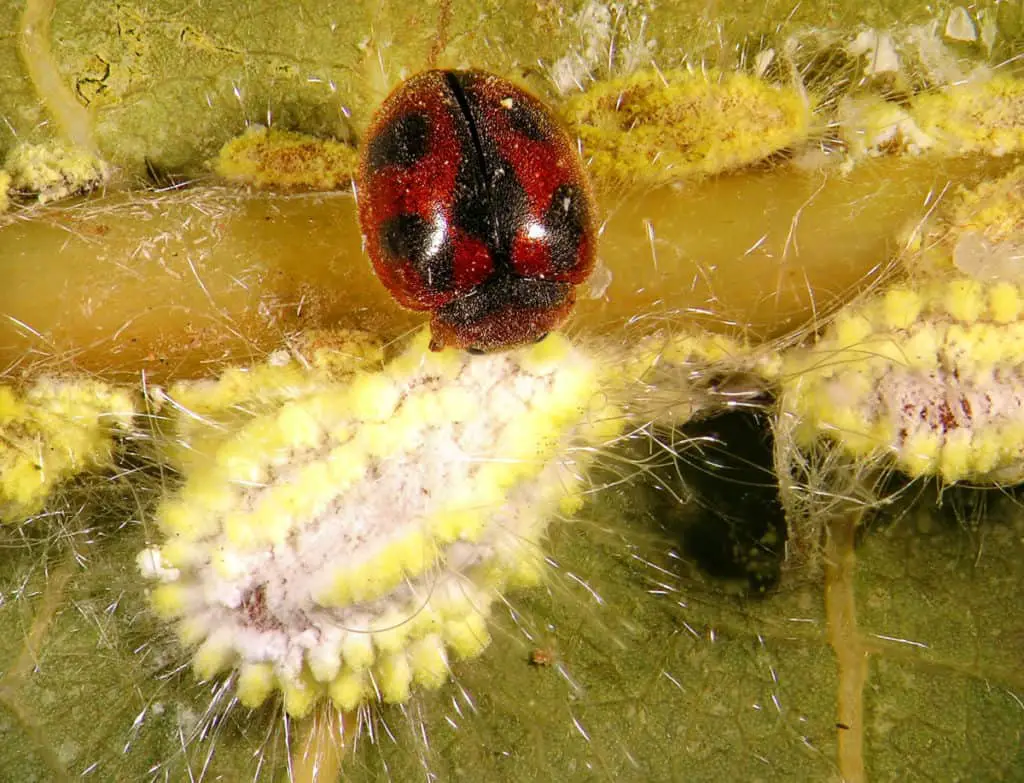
658	673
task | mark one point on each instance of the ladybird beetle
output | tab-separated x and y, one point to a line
474	205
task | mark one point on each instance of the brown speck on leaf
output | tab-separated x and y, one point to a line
542	656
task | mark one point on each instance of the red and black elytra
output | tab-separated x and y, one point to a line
474	205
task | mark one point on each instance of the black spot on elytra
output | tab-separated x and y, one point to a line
401	142
509	202
527	119
566	221
489	203
409	239
525	116
471	207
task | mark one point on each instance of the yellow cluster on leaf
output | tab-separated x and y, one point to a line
54	170
979	116
872	126
650	128
343	534
976	116
927	379
980	233
269	158
52	431
211	409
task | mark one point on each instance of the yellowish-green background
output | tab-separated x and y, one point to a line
671	675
